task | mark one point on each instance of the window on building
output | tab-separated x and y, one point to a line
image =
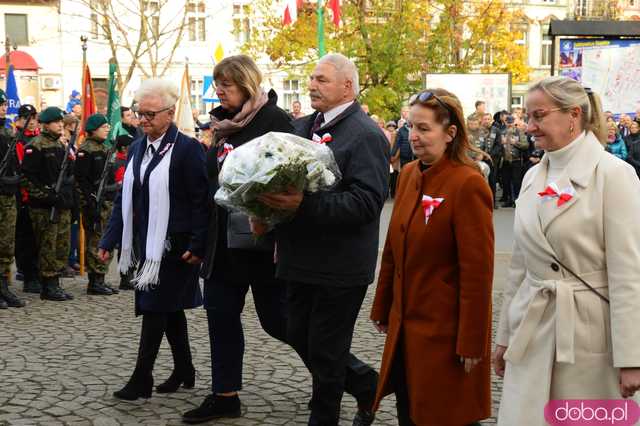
241	22
521	31
291	92
98	19
152	11
196	96
581	8
487	54
547	40
197	20
16	28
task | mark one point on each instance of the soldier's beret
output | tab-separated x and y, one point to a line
94	122
51	114
26	110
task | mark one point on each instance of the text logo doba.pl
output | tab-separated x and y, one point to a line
592	412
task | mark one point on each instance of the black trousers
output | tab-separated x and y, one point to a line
493	180
226	337
321	334
26	251
393	182
154	326
511	180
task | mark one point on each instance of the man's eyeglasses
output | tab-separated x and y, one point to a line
539	114
150	115
425	96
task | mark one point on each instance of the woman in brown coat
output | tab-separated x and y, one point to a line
434	289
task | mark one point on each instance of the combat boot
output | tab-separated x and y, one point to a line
3	304
96	285
125	282
32	286
6	294
51	290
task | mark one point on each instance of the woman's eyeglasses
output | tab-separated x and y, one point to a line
539	114
150	115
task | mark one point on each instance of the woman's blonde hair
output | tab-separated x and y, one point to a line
242	71
567	93
460	149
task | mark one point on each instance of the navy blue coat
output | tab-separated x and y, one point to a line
178	286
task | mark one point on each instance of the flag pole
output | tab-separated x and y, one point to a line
81	247
320	11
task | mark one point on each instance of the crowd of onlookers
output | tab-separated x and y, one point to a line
507	150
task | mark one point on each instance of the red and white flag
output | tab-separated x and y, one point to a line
334	5
290	13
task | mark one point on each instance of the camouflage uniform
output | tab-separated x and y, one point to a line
41	166
9	181
90	164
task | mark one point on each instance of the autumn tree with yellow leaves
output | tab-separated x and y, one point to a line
395	42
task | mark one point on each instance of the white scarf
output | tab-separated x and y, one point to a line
159	204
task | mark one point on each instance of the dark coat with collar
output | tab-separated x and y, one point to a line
221	263
333	238
178	287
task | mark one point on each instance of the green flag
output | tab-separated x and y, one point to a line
113	109
321	49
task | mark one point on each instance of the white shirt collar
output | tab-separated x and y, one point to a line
156	143
334	112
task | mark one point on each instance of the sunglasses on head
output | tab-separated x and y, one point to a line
426	96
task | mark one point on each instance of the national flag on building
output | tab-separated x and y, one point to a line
13	100
334	5
184	112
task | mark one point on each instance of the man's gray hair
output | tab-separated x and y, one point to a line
346	67
164	89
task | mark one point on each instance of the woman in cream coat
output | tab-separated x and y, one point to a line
577	214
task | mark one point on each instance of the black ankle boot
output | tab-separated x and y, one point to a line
125	282
6	294
32	286
138	386
3	304
96	286
176	379
51	290
214	407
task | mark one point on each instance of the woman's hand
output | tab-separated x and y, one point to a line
629	381
498	360
469	363
190	258
103	255
382	328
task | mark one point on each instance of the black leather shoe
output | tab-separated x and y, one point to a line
51	290
363	418
96	287
8	296
125	282
172	384
32	286
3	304
137	387
214	407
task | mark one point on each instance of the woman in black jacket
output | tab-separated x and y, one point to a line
633	145
234	261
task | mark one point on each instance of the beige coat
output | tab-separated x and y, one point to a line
564	342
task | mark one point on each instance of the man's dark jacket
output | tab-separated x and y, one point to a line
333	239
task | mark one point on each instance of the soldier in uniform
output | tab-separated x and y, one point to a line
9	182
515	145
90	163
41	166
26	254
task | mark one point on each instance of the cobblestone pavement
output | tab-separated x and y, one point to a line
61	362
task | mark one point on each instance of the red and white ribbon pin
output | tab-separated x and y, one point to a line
429	204
552	191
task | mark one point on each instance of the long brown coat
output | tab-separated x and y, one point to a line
434	292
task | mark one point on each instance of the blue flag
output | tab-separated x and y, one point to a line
13	100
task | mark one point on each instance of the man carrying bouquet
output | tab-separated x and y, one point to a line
327	253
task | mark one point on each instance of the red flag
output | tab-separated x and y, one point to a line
291	8
334	5
88	100
286	19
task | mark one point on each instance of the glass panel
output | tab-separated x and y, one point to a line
16	28
202	33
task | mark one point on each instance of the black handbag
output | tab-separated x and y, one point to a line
239	235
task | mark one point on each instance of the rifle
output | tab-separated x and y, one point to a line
53	215
97	225
12	149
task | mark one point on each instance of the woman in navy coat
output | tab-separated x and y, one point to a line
160	219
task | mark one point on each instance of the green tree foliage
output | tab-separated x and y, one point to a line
394	42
